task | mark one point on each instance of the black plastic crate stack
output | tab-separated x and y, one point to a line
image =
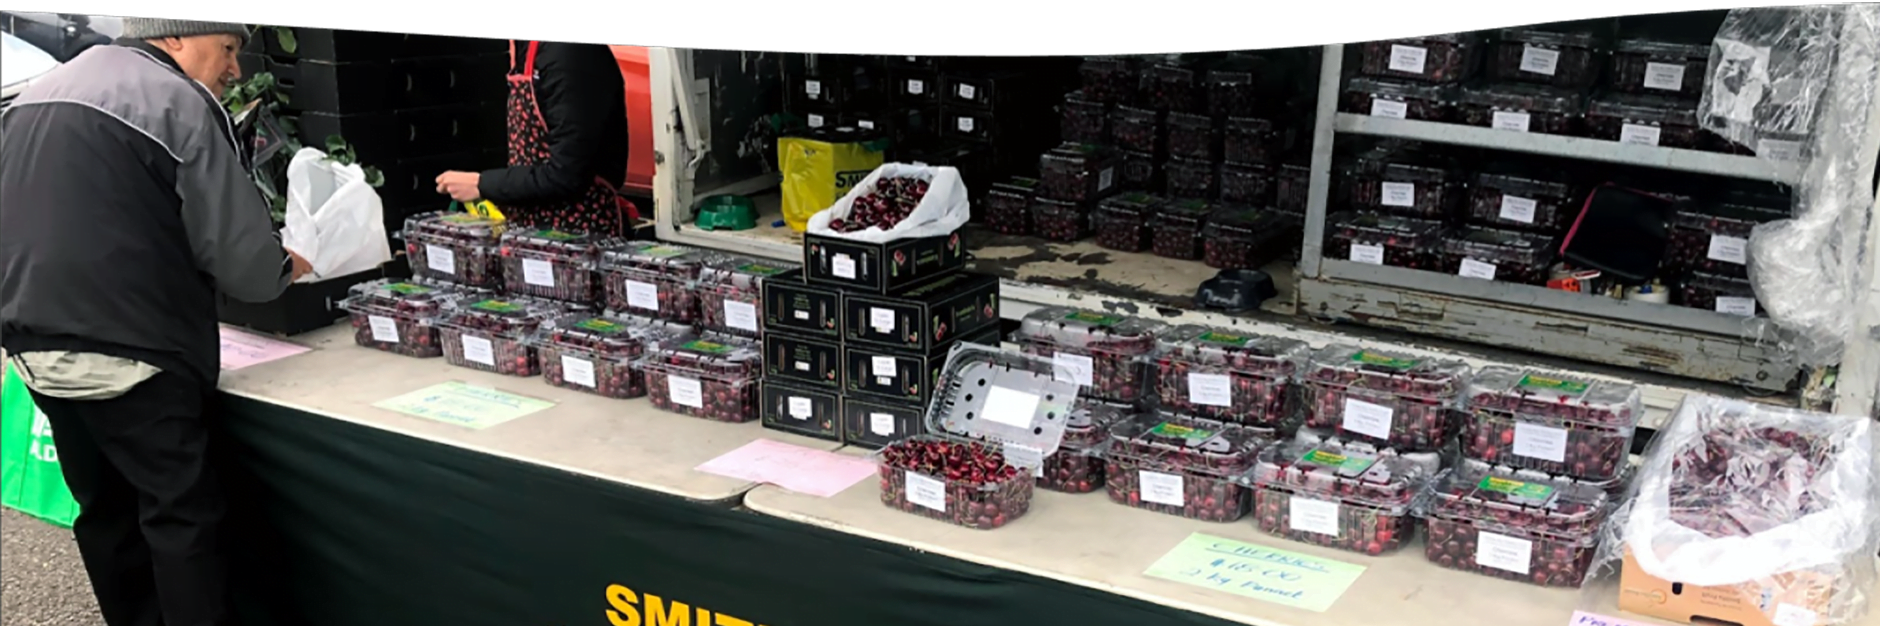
853	345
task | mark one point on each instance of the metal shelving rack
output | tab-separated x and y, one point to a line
1670	339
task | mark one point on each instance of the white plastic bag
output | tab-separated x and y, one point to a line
334	219
943	210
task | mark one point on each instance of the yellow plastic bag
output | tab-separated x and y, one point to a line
817	171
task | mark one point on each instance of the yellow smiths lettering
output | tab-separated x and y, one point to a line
629	608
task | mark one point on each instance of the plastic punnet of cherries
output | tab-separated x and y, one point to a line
892	200
978	488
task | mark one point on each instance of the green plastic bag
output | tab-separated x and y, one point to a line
30	481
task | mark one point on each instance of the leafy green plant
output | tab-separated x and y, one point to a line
264	88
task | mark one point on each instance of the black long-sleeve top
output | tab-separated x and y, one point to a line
582	96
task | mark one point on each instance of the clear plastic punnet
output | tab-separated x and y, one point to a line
1641	65
1644	120
492	334
1135	129
1508	256
1717	241
1247	238
1746	513
711	375
1535	200
1338	494
1077	466
1106	355
1082	173
995	417
1178	227
1729	295
1561	58
656	279
458	247
1249	140
1223	375
1445	58
1376	239
1398	99
1181	465
1122	221
552	264
399	317
1513	526
1551	422
1192	136
1385	398
731	292
596	353
1405	182
1008	206
1522	107
1083	119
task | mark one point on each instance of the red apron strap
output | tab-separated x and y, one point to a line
528	69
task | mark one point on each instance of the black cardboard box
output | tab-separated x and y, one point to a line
801	410
899	375
880	267
875	423
803	360
794	306
924	316
303	307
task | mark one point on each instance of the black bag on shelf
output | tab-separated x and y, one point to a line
1621	232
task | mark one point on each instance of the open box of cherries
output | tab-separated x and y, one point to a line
1337	494
596	353
1736	469
552	264
991	407
1446	58
1077	466
1383	398
1105	355
1514	526
1216	374
731	289
1182	465
492	335
399	317
1543	421
1178	228
1008	206
654	279
1508	256
892	199
1122	222
1245	238
456	247
1364	237
1397	99
711	375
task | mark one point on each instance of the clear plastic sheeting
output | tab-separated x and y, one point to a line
1776	507
1796	84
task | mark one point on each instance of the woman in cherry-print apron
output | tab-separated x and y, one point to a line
567	143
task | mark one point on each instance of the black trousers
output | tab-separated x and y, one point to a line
151	506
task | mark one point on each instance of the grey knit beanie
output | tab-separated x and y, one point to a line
149	28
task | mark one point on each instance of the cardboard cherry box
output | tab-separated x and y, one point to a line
923	317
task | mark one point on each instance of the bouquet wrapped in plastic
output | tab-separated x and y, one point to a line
1748	514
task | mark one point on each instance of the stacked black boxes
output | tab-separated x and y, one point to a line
853	346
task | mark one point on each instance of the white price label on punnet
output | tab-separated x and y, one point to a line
1535	441
882	320
1398	194
578	371
384	330
741	315
642	295
1368	419
1539	60
842	266
1367	253
1518	209
1729	249
1511	120
1076	368
1409	59
1639	134
1736	305
1025	457
1503	552
538	272
1313	516
478	350
1106	178
440	258
926	492
685	391
800	408
1392	109
1210	389
1664	76
1472	268
1160	488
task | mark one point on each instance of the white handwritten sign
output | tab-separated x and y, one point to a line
464	405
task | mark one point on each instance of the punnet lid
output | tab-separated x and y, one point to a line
655	256
552	240
607	334
1644	108
708	354
1497	499
1662	49
453	224
1163	440
1552	395
999	397
742	272
409	292
1400	89
1345	471
1238	352
1501	246
1090	422
1068	327
1132	203
1367	363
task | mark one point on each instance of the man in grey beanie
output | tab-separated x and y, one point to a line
128	207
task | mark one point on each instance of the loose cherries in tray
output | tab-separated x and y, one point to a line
1077	466
1228	376
596	353
1522	527
654	279
551	264
1550	422
711	376
1383	398
1337	494
399	317
492	335
890	202
1181	465
1104	354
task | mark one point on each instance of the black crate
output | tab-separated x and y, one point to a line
327	87
912	87
997	92
801	308
803	360
930	64
901	375
801	410
303	307
877	422
393	135
880	267
841	89
924	317
347	46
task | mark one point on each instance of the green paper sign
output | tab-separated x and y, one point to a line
464	405
1094	319
1561	386
1256	571
1371	358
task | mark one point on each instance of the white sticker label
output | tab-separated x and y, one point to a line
1367	419
1736	305
1729	249
1639	135
800	408
1106	178
865	124
1539	60
1010	407
478	350
842	266
1518	209
1389	108
881	424
1779	150
882	320
538	272
926	492
965	124
1665	76
1503	552
685	392
1076	368
1472	268
1399	194
1367	253
883	366
384	330
812	87
1540	442
440	258
578	371
816	121
1025	457
1407	58
917	87
802	315
741	315
1161	488
642	295
1314	516
1511	120
1791	615
1210	389
968	92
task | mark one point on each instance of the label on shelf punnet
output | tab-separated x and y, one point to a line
1503	552
1160	488
1540	442
578	371
1398	194
538	272
1076	368
1408	58
1367	419
1389	108
1210	389
1472	268
741	315
642	295
965	124
685	391
1729	249
478	350
1518	209
926	492
1511	120
1367	253
1313	516
800	408
440	258
384	330
1539	60
1639	134
1664	76
1736	305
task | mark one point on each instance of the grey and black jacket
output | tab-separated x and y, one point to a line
124	208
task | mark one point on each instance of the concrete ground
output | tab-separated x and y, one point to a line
42	582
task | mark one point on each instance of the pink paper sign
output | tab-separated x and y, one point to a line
241	349
796	468
1583	618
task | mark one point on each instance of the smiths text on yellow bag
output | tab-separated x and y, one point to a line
30	481
820	168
